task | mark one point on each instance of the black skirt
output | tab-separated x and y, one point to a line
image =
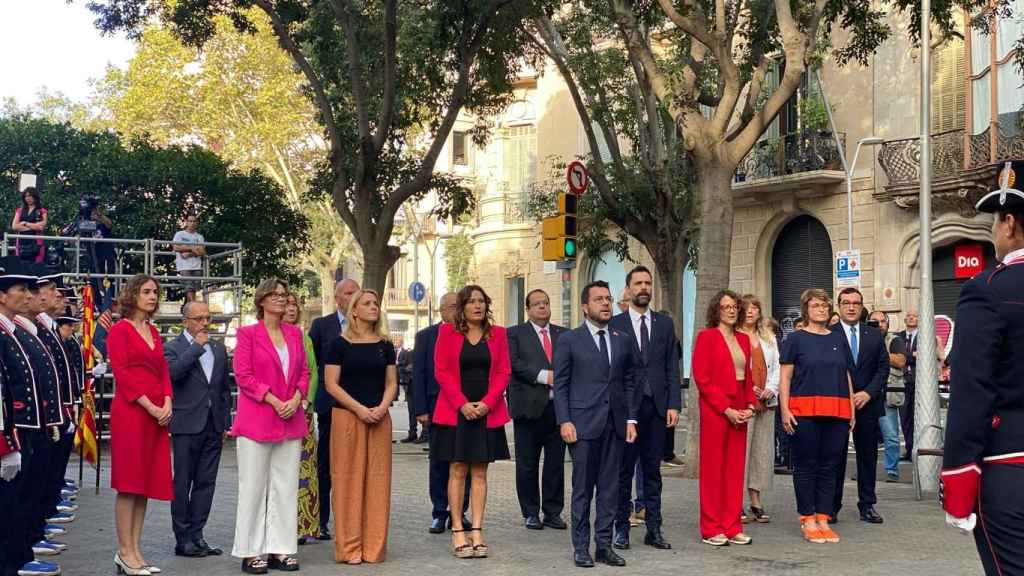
470	440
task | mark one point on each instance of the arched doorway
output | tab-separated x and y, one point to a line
801	259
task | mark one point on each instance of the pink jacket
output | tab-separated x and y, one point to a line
446	370
258	370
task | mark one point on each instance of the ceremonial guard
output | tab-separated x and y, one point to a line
983	466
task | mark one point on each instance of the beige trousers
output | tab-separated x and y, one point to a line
761	450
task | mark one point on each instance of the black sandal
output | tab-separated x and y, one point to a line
479	550
759	516
254	565
462	550
286	564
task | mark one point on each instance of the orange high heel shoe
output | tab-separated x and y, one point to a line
810	534
826	531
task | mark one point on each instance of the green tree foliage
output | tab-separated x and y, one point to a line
388	80
150	189
242	98
459	260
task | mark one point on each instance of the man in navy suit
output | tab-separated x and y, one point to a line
595	374
324	331
424	396
871	370
658	401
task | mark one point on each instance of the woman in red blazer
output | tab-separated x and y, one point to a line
721	369
471	363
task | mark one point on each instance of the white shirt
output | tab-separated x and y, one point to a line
186	237
342	321
1018	253
542	376
206	360
771	360
597	340
634	317
282	353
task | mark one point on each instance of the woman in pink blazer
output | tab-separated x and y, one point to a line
471	363
273	378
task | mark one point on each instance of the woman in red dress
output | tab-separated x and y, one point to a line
140	445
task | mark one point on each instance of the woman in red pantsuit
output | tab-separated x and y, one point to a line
721	369
140	446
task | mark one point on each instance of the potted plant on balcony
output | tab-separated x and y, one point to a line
817	134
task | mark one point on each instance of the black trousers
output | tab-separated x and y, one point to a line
670	444
29	508
817	447
11	540
595	468
323	465
865	442
999	534
58	466
413	425
648	451
907	418
534	435
196	460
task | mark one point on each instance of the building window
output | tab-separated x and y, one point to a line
460	151
515	307
949	99
520	155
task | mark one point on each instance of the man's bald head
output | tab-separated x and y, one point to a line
624	299
449	307
343	292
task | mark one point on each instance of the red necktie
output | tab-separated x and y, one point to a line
546	342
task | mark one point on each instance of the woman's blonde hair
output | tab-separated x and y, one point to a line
762	327
380	327
266	288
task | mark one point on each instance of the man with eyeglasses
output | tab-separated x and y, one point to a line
201	411
870	361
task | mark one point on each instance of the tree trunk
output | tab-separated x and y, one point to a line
714	186
377	262
327	304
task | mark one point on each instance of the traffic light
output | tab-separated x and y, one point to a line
559	232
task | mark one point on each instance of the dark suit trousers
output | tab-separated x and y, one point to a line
11	540
58	465
196	460
437	481
865	442
412	417
30	491
907	417
532	436
595	467
999	535
323	465
648	451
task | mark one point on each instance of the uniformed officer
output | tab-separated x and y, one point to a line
30	420
983	466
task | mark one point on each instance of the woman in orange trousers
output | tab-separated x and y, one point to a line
721	369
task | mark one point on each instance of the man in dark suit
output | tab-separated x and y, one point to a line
323	332
530	403
201	412
909	337
871	370
658	401
595	373
424	396
403	362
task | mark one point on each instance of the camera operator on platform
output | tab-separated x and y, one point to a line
92	222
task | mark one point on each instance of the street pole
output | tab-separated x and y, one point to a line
870	141
926	403
416	276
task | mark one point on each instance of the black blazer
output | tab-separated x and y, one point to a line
193	394
872	366
587	389
323	332
424	383
528	398
661	367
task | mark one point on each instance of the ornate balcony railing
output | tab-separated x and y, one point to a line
901	159
1009	146
515	208
791	154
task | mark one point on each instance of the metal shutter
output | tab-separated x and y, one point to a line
801	259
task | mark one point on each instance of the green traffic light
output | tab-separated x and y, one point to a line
570	247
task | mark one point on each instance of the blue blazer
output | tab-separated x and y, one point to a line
587	390
661	368
871	366
424	383
324	331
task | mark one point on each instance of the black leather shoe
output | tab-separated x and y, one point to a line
609	557
621	541
870	516
656	540
189	550
555	522
408	440
834	519
324	534
437	526
421	440
533	523
210	550
583	559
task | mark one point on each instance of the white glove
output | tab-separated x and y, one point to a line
99	370
965	525
10	465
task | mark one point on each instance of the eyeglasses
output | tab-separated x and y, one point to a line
600	299
729	307
198	318
278	295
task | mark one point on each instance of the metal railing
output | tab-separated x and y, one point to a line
791	154
901	159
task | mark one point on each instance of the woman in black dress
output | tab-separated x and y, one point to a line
468	429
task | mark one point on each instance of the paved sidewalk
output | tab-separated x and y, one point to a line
912	541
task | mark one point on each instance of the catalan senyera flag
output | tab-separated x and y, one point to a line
85	436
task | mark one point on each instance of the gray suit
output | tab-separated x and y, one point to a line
201	415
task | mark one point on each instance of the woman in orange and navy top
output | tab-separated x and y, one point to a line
816	402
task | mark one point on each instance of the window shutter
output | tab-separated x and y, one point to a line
949	99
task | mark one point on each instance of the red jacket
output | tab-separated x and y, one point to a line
446	370
715	373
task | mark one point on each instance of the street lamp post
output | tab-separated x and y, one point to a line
869	141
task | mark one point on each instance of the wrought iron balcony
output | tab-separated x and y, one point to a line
794	153
1008	146
901	159
515	208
